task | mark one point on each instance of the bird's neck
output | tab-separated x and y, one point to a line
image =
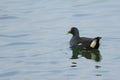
75	37
76	34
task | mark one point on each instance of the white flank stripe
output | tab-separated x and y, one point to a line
80	44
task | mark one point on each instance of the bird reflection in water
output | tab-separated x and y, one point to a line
93	54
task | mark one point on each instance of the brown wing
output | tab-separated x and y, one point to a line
85	41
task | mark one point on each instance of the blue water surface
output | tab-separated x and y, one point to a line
34	44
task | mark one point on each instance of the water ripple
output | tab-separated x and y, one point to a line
19	43
12	73
13	36
81	15
8	17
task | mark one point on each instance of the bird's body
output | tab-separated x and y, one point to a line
85	42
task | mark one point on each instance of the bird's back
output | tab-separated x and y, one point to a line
85	42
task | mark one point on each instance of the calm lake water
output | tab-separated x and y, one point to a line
34	44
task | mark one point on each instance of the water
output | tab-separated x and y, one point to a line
34	44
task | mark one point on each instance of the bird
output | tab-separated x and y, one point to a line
83	42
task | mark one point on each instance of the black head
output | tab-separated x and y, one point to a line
74	31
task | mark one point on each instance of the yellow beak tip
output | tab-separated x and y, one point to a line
67	33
